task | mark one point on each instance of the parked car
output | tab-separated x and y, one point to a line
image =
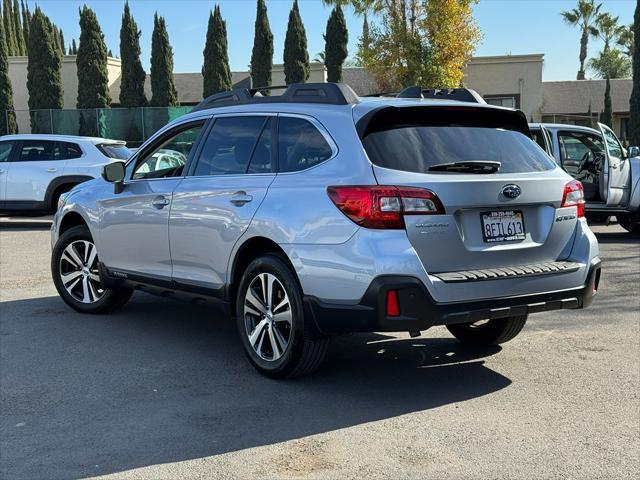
36	169
316	213
609	174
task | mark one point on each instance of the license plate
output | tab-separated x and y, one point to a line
502	226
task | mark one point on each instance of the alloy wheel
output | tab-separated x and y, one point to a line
79	271
267	317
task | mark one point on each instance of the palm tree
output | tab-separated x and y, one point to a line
608	29
583	16
626	40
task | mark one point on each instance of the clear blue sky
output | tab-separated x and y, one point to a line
508	26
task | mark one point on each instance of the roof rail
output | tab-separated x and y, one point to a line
456	94
322	93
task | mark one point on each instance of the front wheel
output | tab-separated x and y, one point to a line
74	267
277	338
488	332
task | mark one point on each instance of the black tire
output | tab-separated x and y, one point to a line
109	299
628	223
491	332
305	349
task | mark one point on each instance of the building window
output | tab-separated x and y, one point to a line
509	101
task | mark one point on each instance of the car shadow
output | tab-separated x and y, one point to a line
621	238
162	381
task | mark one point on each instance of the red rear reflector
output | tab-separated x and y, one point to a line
381	206
393	306
574	195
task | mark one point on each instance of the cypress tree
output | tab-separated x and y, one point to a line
74	47
133	75
7	114
93	78
215	70
634	104
43	72
296	56
63	48
262	54
607	113
26	19
336	40
163	89
9	34
17	28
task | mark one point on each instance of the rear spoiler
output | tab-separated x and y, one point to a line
392	116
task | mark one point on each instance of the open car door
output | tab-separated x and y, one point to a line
615	188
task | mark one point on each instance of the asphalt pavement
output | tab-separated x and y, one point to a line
161	390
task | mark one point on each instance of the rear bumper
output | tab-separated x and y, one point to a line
419	311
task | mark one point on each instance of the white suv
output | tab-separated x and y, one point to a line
36	169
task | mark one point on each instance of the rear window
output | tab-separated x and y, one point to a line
115	150
416	148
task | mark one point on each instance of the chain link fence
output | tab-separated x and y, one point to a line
134	125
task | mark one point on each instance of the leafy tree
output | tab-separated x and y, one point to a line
63	47
296	56
7	114
215	70
163	89
607	113
9	28
626	40
74	47
133	75
262	53
336	41
584	17
634	104
26	20
21	48
43	72
608	29
611	63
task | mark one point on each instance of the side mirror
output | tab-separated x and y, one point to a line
114	173
634	152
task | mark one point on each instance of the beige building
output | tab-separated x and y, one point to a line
509	80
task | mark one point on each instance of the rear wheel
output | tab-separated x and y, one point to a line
488	332
627	222
277	338
74	267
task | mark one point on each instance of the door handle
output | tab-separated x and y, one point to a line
52	170
160	202
240	198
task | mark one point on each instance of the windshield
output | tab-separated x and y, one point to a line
115	150
417	148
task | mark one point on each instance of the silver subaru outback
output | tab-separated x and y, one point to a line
315	213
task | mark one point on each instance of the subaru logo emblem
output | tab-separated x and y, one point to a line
511	191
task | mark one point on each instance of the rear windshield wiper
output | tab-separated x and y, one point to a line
470	166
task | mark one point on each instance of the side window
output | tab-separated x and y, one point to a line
5	151
168	159
39	151
613	145
300	145
538	137
574	146
262	155
230	145
71	150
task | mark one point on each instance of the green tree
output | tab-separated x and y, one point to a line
93	76
9	33
634	103
133	75
262	53
611	63
608	29
21	49
607	113
163	89
7	114
296	56
215	70
63	47
43	72
74	47
336	41
584	17
26	20
626	40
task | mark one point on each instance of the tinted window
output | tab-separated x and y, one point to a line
416	148
39	151
169	159
72	150
5	151
300	145
539	138
115	150
261	158
229	146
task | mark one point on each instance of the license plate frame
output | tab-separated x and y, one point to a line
504	233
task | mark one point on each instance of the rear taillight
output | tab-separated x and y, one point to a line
381	206
574	195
